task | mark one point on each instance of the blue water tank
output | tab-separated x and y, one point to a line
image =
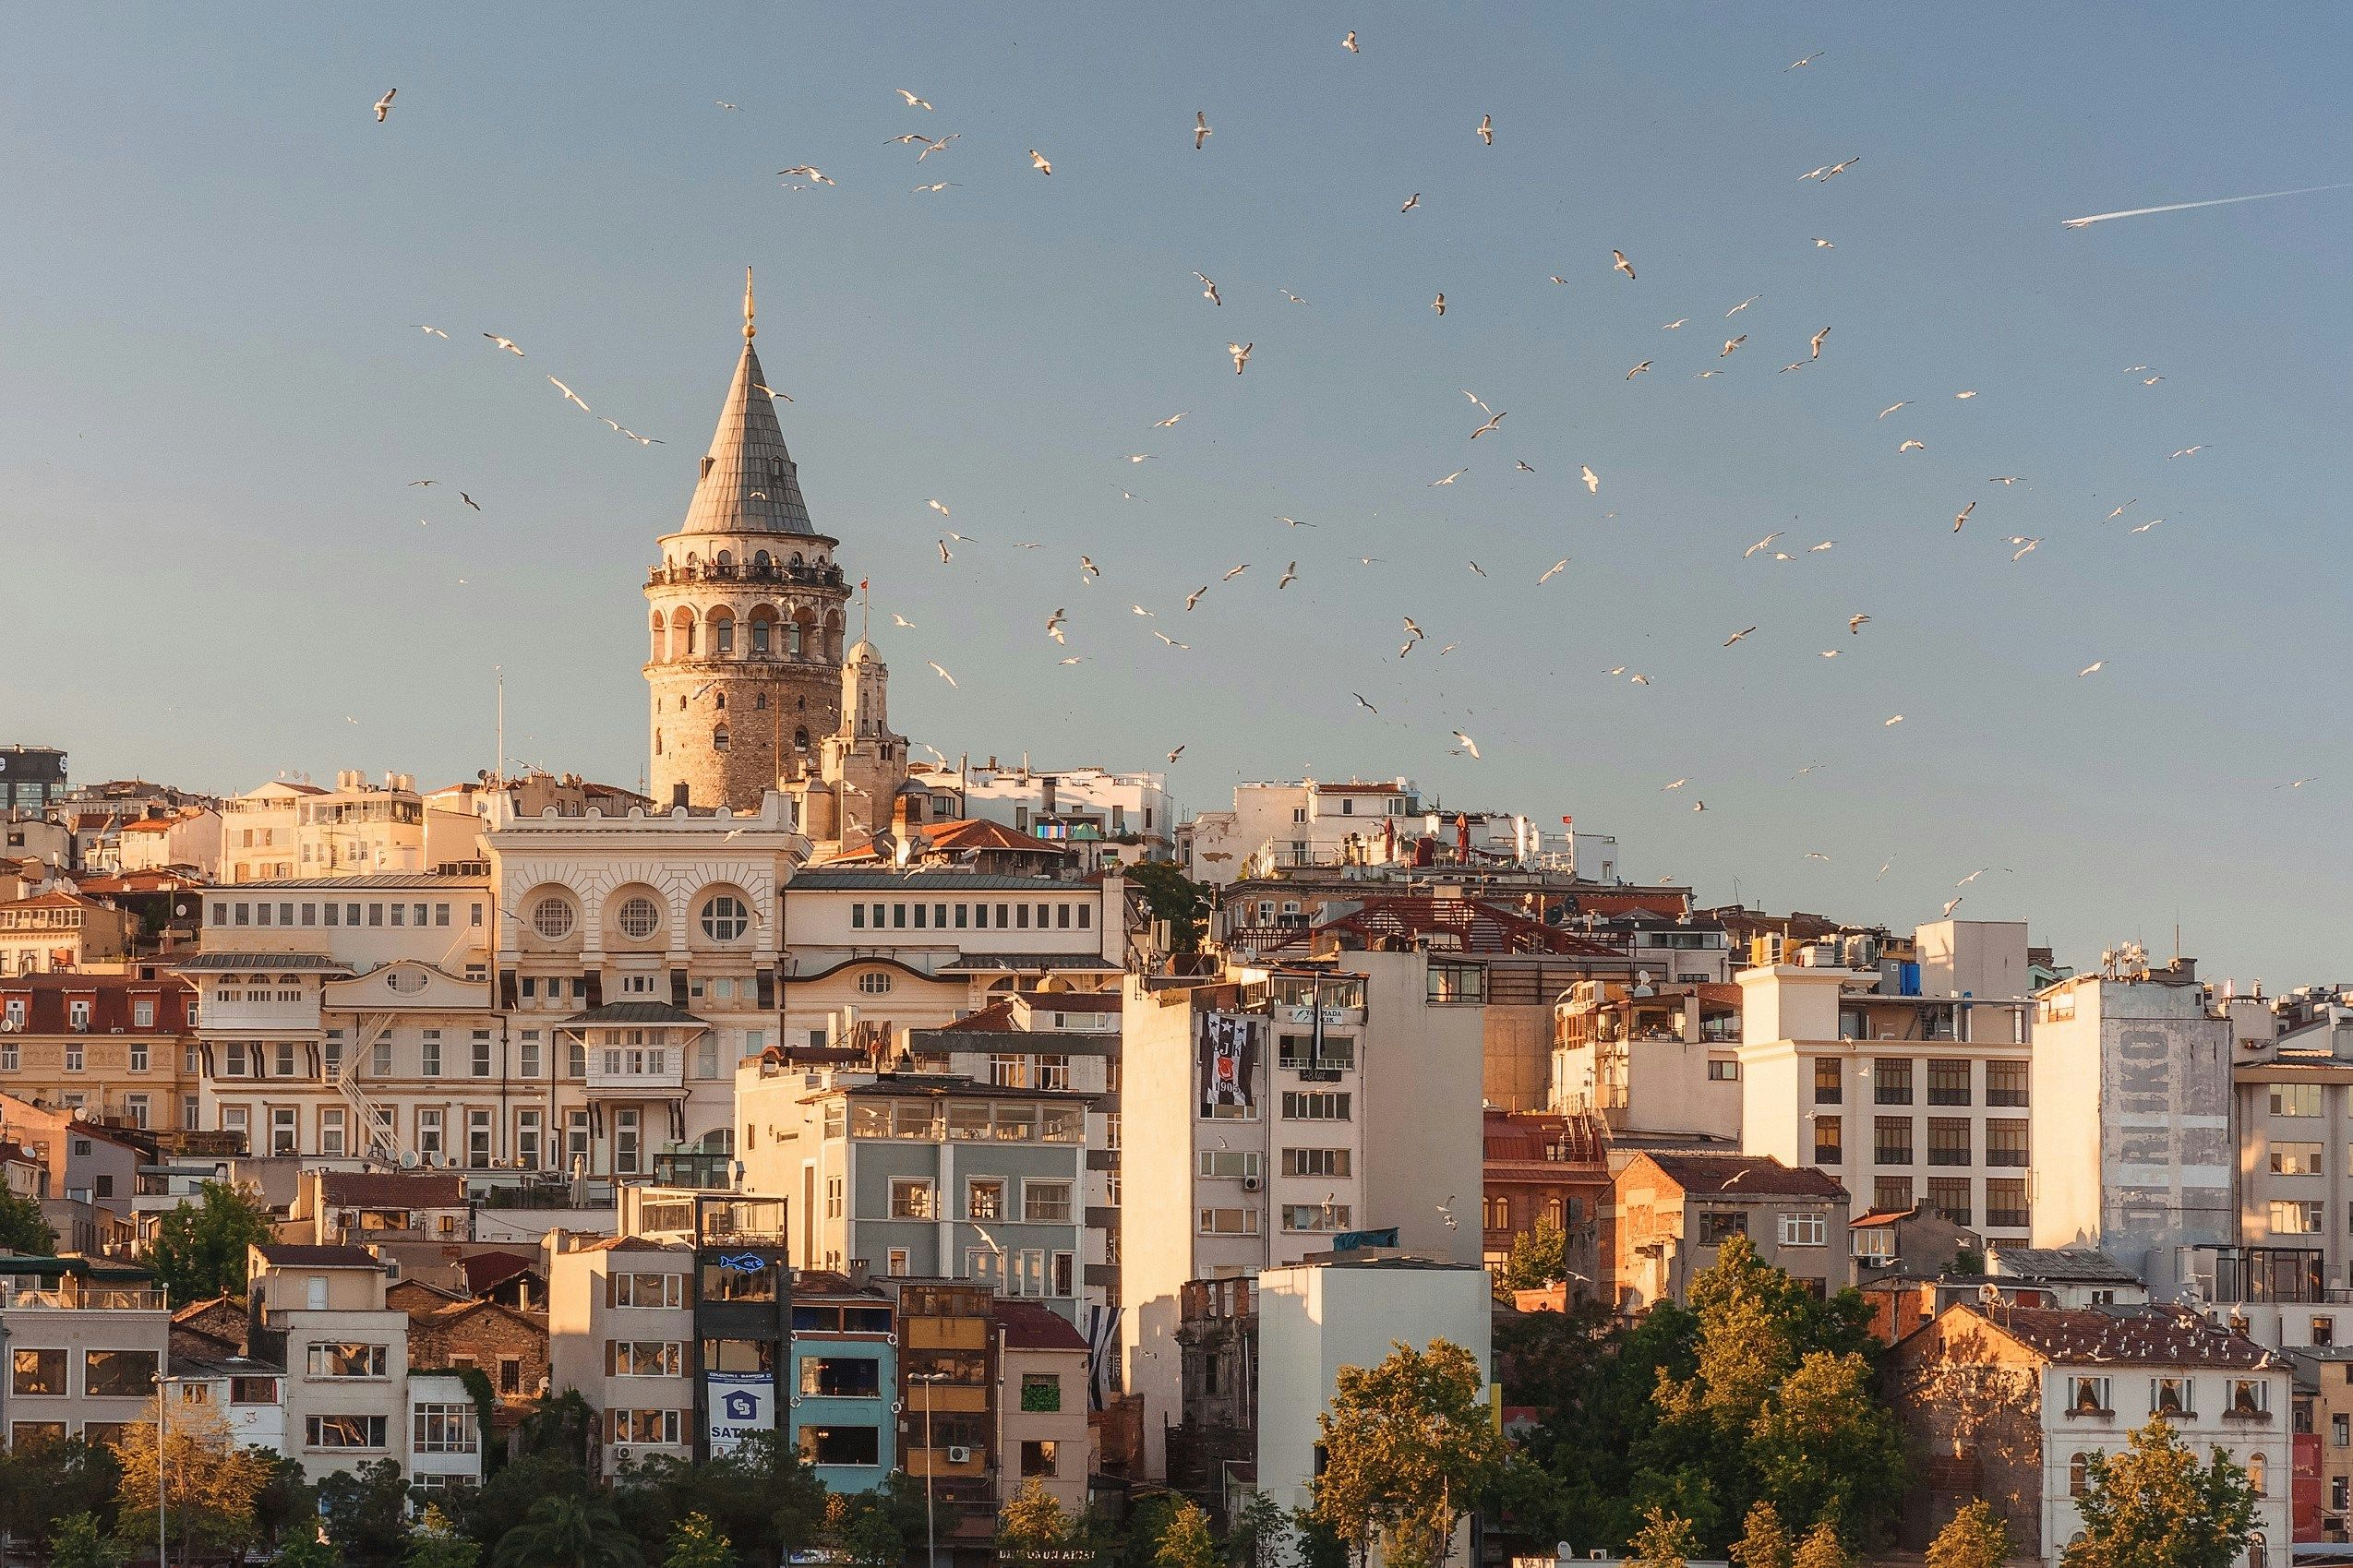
1909	985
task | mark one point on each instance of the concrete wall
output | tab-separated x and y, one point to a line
1418	1122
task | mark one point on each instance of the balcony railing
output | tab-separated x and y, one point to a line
72	1294
624	1068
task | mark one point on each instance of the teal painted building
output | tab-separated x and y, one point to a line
843	1383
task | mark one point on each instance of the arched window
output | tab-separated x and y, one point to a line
760	631
639	918
719	739
2079	1475
761	563
720	703
1553	1212
726	559
2258	1472
722	635
725	918
760	702
800	740
657	743
658	640
2258	1552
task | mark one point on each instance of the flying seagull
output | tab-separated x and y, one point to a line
1038	162
941	672
384	105
1466	743
1619	262
506	343
912	101
1201	131
1241	353
1487	129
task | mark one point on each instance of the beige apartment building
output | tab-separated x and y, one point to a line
620	1329
86	1342
1905	1100
319	1312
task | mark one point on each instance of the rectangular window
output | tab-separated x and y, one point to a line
1722	1070
1891	1081
1830	1140
642	1426
285	1059
1041	1392
1829	1079
2006	1204
331	1132
1948	1196
2296	1099
1315	1217
429	1134
1227	1165
643	1359
1948	1080
2169	1396
984	1198
841	1377
2088	1396
1718	1226
332	1360
648	1289
445	1429
37	1372
527	1131
841	1445
1045	1202
1892	1139
911	1198
2295	1216
1229	1222
1311	1106
1316	1162
1949	1140
429	1054
344	1432
1805	1231
858	917
143	1015
481	1055
477	1139
2295	1159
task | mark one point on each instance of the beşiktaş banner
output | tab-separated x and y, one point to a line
1228	1060
739	1405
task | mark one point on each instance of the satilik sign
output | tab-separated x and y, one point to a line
739	1404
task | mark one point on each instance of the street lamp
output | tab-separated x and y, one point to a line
161	1409
930	1456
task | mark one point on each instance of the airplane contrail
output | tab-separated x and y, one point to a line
2186	206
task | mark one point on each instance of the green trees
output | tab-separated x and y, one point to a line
438	1544
1757	1392
696	1542
1665	1541
1976	1536
79	1542
214	1485
1171	895
1410	1448
569	1532
2154	1506
1185	1541
23	1227
367	1513
1539	1257
1765	1541
199	1249
1032	1521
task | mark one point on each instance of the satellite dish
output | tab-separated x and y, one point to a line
1989	1294
408	1159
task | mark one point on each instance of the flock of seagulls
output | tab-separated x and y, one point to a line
806	175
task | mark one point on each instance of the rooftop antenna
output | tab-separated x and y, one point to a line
499	765
748	330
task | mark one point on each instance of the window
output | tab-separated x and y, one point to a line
641	1426
1310	1105
725	918
1008	1070
143	1014
2324	1329
379	1058
1294	1052
2296	1099
1038	1457
2258	1474
284	1131
1717	1225
841	1445
1315	1217
839	1377
2079	1475
2169	1396
2006	1083
509	1374
43	1372
1805	1231
2295	1159
2249	1397
1948	1080
1041	1392
1227	1165
1229	1222
253	1391
481	1056
551	918
2087	1397
1053	1071
648	1289
874	982
643	1359
1315	1162
1045	1202
445	1429
1722	1070
1891	1081
2006	1142
346	1360
429	1134
119	1374
429	1054
2295	1216
1948	1196
1829	1147
911	1198
2257	1549
1892	1139
1949	1140
344	1432
2340	1430
1828	1079
984	1198
2006	1204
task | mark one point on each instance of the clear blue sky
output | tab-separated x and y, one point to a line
214	399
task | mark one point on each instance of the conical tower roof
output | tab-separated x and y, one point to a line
748	484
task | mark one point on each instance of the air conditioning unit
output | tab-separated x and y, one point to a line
959	1457
1251	1183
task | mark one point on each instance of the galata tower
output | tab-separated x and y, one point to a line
746	613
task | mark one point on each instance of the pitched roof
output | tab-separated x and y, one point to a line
617	1013
2154	1338
320	1257
1744	1175
392	1189
748	484
979	832
487	1270
2065	1264
1029	1326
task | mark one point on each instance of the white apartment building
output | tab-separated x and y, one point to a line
1268	1113
1920	1101
1304	823
321	1311
1089	808
290	828
2139	1058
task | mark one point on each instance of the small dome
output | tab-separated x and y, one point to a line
862	651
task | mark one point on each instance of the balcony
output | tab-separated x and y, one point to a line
73	1295
626	1071
694	1169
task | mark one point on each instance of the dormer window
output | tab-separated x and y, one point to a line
706	472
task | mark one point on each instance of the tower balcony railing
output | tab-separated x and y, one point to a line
711	571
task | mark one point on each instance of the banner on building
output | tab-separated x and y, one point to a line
1228	1060
739	1404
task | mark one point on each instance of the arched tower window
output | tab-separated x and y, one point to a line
719	739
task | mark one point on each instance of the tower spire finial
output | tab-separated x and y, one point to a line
748	330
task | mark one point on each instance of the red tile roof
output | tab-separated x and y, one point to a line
979	832
487	1271
2158	1337
1744	1175
1029	1326
392	1189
